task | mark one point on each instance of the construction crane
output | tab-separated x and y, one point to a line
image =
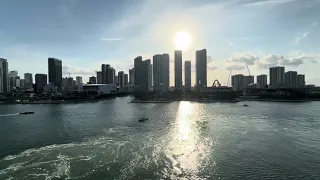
248	70
229	77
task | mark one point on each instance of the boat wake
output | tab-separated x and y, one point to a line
4	115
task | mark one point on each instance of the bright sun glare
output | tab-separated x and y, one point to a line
182	40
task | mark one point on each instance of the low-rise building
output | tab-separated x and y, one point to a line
100	89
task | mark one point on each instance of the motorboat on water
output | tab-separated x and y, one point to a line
245	105
143	119
27	113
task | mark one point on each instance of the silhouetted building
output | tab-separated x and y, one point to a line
161	72
201	68
111	76
131	76
99	77
126	79
276	75
187	74
141	74
301	80
55	72
105	73
178	69
4	83
28	80
291	78
238	82
248	80
262	80
121	78
92	80
41	82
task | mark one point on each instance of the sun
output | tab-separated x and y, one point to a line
182	40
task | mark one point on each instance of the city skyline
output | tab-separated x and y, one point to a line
85	40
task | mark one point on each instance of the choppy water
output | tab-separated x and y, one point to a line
181	140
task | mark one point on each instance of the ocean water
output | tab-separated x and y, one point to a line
181	140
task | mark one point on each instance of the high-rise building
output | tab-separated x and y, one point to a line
70	83
105	74
13	76
178	69
291	78
238	82
99	77
131	76
41	81
4	83
301	80
201	68
78	80
55	72
137	71
161	72
277	75
121	78
126	79
28	80
262	80
111	76
248	80
92	80
187	74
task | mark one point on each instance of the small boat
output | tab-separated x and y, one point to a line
143	119
27	113
245	105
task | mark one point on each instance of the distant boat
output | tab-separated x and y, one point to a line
27	113
143	119
245	105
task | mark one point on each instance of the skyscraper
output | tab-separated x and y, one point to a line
99	77
41	81
121	78
111	75
92	80
137	71
13	76
291	78
248	80
161	72
201	68
4	83
104	74
55	72
238	82
78	80
277	75
262	80
187	74
301	80
178	69
131	76
126	79
28	80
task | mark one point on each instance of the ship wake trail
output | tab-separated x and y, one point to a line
4	115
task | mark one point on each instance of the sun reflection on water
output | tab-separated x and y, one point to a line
187	149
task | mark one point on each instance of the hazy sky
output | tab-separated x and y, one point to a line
87	33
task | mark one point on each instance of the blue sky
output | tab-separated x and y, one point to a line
85	34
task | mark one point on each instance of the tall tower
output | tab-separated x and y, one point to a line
55	72
178	69
187	74
201	68
4	83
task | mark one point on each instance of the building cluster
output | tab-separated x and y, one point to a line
146	75
278	79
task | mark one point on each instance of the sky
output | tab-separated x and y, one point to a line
84	34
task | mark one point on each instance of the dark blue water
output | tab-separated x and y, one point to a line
181	140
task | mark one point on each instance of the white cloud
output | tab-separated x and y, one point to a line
73	71
236	67
248	59
299	38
